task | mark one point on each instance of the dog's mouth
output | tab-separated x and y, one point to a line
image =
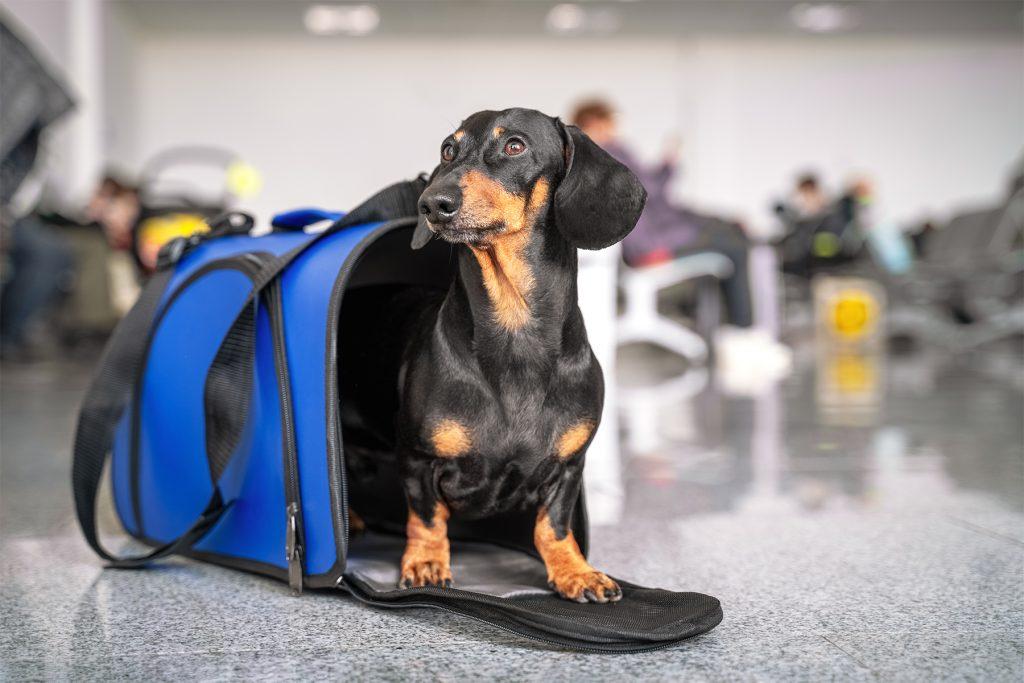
457	233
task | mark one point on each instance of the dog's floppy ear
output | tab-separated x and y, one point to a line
421	235
599	200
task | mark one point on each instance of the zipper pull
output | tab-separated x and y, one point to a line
293	550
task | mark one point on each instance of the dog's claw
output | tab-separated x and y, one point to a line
590	586
424	574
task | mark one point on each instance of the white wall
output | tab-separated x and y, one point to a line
327	122
936	124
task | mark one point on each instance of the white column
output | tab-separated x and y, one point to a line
602	474
85	38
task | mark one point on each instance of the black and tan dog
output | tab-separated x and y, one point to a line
500	393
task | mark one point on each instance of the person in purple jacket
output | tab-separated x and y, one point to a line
666	231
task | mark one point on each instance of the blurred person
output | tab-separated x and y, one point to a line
38	267
667	231
102	235
822	233
809	200
114	208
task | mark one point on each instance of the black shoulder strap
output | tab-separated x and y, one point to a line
104	404
120	367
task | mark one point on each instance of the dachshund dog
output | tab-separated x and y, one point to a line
499	392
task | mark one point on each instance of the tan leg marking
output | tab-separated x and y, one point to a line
450	439
569	573
573	439
507	276
427	558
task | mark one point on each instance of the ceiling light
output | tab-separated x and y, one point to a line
823	17
566	18
350	20
572	18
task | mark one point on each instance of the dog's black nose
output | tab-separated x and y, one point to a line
440	207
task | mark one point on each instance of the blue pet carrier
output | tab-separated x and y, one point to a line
217	402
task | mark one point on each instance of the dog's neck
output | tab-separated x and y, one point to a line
520	294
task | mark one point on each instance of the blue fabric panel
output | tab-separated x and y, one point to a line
174	478
254	527
307	289
277	243
120	481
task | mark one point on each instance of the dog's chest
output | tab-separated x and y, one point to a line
503	468
508	451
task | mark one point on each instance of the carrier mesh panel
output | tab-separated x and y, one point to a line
226	395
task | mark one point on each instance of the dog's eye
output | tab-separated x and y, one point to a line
515	147
448	152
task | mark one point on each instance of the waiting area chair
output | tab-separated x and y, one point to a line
974	268
640	320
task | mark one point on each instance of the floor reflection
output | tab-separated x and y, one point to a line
854	430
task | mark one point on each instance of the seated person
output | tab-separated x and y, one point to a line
666	231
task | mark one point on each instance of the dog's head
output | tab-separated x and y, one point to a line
501	172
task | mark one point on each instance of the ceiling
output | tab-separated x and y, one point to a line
518	18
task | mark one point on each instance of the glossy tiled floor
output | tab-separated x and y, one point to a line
863	520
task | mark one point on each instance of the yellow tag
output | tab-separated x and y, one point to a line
853	313
157	231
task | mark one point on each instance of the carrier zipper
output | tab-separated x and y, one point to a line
293	495
293	549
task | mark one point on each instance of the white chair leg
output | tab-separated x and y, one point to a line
680	339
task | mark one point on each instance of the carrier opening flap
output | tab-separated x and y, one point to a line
507	588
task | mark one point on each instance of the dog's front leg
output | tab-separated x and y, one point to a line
427	557
569	573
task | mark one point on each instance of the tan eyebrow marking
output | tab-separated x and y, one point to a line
498	130
459	134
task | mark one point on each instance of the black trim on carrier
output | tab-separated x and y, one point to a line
337	479
295	527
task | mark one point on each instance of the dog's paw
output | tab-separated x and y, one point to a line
586	586
425	573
